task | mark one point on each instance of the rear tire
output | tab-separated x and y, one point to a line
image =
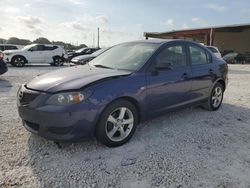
58	61
215	98
117	123
18	61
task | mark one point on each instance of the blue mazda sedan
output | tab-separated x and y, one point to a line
130	83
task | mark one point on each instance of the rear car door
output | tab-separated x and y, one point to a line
49	53
203	71
169	83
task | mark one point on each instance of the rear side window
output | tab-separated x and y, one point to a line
10	47
50	48
174	55
198	55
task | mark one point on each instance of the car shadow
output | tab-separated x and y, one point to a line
49	160
5	85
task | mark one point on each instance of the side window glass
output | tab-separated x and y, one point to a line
209	58
198	55
40	47
88	51
34	48
10	47
50	48
173	56
37	48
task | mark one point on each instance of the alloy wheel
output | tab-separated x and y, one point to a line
217	97
58	61
19	62
119	124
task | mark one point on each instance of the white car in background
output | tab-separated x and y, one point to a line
215	51
37	54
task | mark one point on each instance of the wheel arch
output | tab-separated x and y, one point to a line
130	99
56	56
18	55
222	83
134	102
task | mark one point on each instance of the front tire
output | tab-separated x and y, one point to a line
215	98
18	61
117	123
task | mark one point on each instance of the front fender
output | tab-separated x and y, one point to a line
132	86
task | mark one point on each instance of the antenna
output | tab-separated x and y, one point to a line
93	40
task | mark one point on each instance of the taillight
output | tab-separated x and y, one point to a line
1	55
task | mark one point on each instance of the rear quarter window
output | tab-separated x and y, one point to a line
214	50
198	56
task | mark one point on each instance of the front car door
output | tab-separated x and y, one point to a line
202	70
36	54
170	82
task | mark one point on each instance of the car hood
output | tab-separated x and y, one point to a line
12	51
82	57
72	78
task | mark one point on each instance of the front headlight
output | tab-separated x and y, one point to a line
74	60
68	98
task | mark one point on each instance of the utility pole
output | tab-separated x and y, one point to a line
98	38
93	40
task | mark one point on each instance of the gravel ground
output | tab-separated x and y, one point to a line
187	148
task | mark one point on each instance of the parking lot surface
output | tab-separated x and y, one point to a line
186	148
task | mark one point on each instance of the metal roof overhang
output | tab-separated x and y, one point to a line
197	32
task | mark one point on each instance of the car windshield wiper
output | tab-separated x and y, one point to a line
103	66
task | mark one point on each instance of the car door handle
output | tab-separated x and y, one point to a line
184	76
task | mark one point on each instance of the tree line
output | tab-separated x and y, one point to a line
40	40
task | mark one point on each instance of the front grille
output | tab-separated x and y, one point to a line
60	130
27	96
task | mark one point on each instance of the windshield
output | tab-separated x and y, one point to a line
128	56
230	55
80	50
98	52
29	46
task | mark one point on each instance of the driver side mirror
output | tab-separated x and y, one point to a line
31	50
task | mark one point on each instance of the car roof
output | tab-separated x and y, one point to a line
163	41
9	45
47	45
157	41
